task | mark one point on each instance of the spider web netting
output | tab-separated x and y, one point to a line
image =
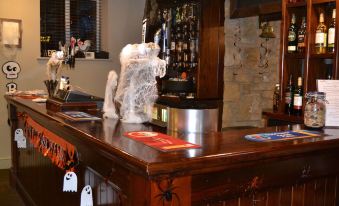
137	89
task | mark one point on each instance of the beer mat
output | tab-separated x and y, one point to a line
160	141
283	135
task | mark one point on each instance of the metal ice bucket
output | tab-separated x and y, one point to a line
192	120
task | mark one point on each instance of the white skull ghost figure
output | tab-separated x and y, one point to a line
18	134
109	107
11	87
11	69
137	89
70	182
86	196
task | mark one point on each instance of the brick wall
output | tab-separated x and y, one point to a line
248	89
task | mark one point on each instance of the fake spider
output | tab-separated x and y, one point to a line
167	194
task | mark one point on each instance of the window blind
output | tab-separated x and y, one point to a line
61	20
52	24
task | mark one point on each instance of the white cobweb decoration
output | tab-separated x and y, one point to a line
137	87
111	85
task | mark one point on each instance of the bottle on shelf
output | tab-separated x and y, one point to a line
328	65
321	36
289	91
331	34
276	98
298	98
302	36
292	35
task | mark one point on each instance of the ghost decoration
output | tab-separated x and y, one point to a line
70	182
18	134
137	87
111	85
54	65
86	196
20	138
11	69
21	142
11	87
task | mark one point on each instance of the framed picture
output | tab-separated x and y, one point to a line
10	32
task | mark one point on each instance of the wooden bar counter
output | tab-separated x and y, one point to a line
226	170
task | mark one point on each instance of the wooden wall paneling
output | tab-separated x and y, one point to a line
246	8
330	191
320	189
233	202
211	62
170	191
286	195
298	194
274	196
261	199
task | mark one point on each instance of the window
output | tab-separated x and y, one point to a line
62	19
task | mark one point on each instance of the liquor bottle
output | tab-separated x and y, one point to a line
289	96
321	36
292	36
276	98
298	98
173	41
302	36
158	32
329	66
331	34
178	38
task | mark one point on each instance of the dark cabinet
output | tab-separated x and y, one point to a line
192	41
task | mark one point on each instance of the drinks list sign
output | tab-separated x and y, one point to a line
331	88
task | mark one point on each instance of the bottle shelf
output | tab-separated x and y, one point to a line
295	55
323	56
297	4
322	1
283	117
308	64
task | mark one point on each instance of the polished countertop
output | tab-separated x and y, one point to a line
218	150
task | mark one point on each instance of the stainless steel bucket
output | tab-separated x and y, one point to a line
192	120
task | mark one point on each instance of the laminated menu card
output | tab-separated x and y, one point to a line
283	135
331	89
77	116
160	141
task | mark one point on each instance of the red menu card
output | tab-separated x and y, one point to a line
160	141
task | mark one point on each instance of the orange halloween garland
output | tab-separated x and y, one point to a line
62	153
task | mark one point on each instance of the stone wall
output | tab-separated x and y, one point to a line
248	87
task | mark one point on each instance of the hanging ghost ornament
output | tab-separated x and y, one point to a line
18	134
86	196
21	142
11	69
70	182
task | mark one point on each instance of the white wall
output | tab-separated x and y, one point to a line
121	25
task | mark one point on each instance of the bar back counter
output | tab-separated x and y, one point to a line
226	170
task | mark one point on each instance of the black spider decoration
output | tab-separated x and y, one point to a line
167	194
